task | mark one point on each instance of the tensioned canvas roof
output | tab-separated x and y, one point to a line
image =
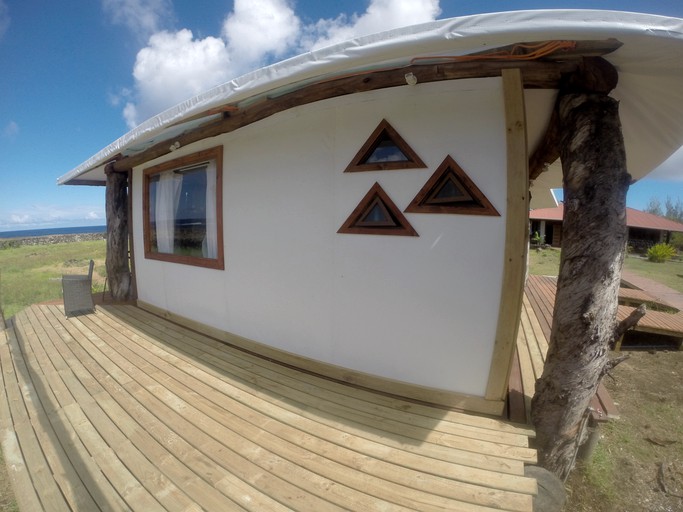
649	62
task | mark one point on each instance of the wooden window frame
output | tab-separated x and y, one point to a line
213	154
377	195
359	164
424	201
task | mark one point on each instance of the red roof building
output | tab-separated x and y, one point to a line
644	229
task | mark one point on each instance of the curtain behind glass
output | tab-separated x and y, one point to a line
210	243
167	198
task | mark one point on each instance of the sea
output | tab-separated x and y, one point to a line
52	231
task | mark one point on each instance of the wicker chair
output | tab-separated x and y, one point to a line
77	290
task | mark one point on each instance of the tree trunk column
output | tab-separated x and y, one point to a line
118	270
594	236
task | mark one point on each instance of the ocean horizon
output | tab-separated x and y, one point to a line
26	233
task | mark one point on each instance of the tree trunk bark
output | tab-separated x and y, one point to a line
594	236
118	270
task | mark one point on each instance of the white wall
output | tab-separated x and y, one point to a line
418	309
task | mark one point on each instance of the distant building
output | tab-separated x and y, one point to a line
644	229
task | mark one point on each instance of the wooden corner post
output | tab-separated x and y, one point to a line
591	147
516	235
118	269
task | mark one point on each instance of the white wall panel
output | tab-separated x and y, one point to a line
419	309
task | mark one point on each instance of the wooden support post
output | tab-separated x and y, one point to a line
516	235
118	270
594	235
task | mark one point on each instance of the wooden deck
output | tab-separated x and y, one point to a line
541	290
532	346
122	410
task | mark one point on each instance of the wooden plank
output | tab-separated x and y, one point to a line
174	420
516	235
528	379
532	344
25	405
372	402
329	403
516	407
170	497
74	470
157	391
166	435
539	297
360	379
130	489
158	327
24	491
312	386
90	350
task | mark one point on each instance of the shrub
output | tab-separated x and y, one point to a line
659	253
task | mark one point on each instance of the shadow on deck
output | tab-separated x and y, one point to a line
123	410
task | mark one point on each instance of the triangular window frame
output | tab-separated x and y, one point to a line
394	223
471	202
384	132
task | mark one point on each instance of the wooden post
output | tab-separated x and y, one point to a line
516	236
594	236
118	270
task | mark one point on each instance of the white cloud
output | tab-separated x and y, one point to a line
260	28
11	130
380	15
19	218
142	17
4	18
172	68
175	66
38	216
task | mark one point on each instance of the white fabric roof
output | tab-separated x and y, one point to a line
650	65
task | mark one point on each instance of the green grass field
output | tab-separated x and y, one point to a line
32	273
547	262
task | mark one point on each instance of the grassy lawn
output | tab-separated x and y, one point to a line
640	454
669	273
32	274
546	262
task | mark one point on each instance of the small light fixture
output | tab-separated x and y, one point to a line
174	146
411	79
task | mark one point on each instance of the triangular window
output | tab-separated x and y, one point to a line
385	150
377	214
450	190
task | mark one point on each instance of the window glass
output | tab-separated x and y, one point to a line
182	211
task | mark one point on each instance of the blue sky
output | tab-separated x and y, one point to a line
78	74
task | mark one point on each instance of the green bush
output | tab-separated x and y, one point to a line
659	253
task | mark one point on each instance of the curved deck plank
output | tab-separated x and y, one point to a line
124	410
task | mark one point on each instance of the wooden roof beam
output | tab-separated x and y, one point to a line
592	75
536	74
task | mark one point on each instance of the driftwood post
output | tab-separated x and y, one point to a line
587	131
118	270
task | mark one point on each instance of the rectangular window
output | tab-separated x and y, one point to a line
182	203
